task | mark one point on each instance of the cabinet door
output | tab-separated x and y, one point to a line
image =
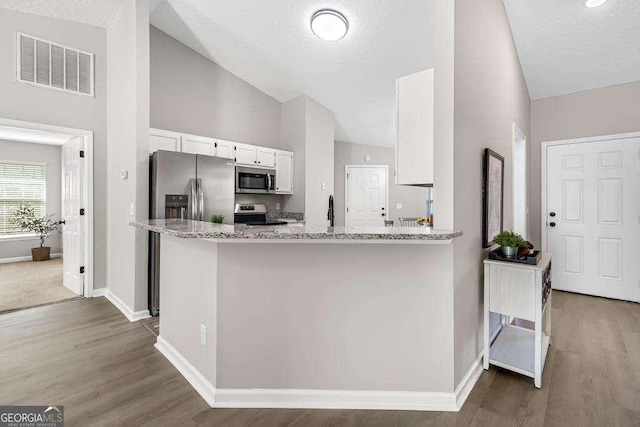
198	145
163	140
225	149
414	143
284	172
246	154
266	157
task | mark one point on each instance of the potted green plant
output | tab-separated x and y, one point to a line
509	243
217	219
25	218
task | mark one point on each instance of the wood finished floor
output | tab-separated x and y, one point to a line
86	356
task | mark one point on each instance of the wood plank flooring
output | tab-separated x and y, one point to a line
86	356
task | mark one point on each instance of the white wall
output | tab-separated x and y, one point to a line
413	199
21	101
294	138
191	94
605	111
490	94
38	153
128	145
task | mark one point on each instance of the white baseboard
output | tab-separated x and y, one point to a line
25	258
99	292
188	371
468	382
133	316
321	399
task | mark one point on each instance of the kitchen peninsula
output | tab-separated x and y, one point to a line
306	317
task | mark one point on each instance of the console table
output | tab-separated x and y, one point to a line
521	291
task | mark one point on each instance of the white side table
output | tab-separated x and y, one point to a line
521	291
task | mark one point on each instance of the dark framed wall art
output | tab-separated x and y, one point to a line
492	196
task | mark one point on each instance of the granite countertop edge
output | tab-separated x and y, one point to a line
179	229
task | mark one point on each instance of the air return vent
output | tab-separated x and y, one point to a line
48	64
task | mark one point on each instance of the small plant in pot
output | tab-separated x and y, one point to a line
25	218
217	219
509	243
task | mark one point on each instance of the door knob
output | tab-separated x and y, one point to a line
552	224
552	214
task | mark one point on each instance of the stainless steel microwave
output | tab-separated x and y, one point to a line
255	180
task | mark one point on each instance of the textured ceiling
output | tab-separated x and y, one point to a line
92	12
565	47
269	44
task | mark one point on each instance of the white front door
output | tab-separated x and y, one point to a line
72	230
593	217
366	196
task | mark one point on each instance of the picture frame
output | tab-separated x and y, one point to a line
492	196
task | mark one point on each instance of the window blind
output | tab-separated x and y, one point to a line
20	183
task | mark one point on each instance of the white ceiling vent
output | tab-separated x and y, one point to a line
48	64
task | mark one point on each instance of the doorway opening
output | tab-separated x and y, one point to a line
520	208
366	195
46	172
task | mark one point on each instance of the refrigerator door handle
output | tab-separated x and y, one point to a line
200	196
192	207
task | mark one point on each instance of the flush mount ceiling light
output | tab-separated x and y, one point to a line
329	25
595	3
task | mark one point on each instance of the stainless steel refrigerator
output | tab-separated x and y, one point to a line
186	186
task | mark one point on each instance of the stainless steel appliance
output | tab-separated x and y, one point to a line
186	186
253	214
255	180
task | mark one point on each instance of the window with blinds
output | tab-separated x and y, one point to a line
20	183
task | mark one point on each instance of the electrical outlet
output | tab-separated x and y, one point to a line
132	209
324	186
398	206
277	206
203	335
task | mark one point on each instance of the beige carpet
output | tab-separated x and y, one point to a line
29	284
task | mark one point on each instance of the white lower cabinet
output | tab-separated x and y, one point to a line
284	172
163	140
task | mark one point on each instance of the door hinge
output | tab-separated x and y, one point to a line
347	209
82	153
82	270
347	176
81	212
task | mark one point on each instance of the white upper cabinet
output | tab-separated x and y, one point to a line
284	172
266	157
198	145
414	126
163	140
246	154
225	149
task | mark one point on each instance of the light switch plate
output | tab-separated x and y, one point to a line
398	205
132	209
203	335
124	174
324	186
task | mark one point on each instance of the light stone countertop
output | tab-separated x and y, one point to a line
188	229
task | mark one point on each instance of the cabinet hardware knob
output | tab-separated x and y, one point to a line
552	224
552	214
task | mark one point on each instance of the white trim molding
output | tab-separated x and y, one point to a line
188	371
321	399
543	172
100	292
25	258
133	316
468	382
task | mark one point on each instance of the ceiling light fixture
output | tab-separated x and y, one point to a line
595	3
329	25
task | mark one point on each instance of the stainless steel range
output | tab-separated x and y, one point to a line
253	214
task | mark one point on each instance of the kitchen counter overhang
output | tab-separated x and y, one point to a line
188	229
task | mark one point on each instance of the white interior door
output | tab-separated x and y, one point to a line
366	196
593	217
72	230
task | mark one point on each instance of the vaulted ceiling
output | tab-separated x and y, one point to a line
566	47
270	45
